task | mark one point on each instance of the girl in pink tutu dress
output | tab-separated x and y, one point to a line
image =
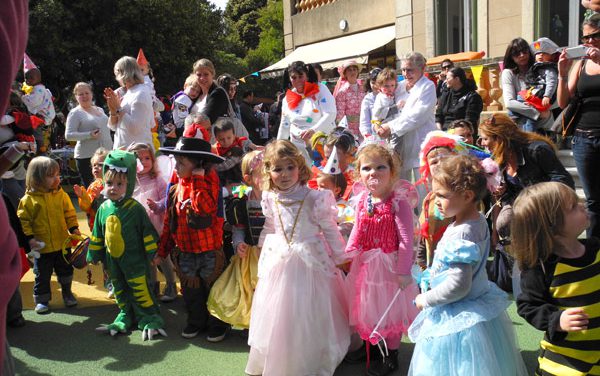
299	320
381	247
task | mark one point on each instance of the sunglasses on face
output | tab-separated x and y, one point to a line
524	51
444	67
593	36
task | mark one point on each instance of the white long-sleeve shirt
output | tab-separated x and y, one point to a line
416	120
137	118
81	124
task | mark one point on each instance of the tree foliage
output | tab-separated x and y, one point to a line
270	48
81	40
242	16
76	40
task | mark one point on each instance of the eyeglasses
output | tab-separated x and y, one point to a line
407	70
444	67
593	36
524	51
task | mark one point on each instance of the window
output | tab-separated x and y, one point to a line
456	26
559	20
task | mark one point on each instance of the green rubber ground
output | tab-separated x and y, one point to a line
64	343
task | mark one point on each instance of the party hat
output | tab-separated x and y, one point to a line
333	164
28	64
343	122
141	58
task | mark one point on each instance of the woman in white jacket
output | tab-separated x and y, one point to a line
307	108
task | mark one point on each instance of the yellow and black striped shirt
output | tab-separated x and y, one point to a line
550	289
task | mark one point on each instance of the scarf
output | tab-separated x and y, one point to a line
293	99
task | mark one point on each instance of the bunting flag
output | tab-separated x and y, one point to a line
501	65
253	74
477	70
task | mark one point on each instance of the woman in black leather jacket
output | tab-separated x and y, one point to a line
460	101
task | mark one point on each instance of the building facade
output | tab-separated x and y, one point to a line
329	31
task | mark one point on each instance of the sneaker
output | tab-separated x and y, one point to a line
42	308
190	331
217	333
170	293
111	290
69	299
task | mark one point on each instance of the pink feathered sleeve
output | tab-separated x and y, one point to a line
405	200
404	226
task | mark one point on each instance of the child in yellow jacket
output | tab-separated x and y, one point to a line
47	217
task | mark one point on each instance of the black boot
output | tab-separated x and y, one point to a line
68	296
360	355
386	366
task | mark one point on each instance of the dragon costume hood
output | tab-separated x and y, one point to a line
122	161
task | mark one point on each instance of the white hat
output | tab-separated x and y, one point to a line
333	164
545	45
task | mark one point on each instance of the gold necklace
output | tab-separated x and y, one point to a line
289	240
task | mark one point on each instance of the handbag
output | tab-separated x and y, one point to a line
500	269
238	126
564	122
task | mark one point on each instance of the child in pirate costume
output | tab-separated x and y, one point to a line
124	239
244	211
193	228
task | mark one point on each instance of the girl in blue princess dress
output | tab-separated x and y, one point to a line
463	328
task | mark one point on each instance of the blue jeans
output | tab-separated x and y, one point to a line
43	267
206	267
586	152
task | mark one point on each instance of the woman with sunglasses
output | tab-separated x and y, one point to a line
517	61
583	81
459	101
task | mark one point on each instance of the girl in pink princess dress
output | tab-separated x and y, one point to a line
299	321
382	249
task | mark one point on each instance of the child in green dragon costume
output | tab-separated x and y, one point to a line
124	239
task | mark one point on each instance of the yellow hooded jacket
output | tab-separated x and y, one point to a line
47	216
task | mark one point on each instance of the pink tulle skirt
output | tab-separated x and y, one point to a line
299	322
372	285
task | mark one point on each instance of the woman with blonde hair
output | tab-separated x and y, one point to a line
86	124
131	114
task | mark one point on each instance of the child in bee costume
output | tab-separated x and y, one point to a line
124	239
